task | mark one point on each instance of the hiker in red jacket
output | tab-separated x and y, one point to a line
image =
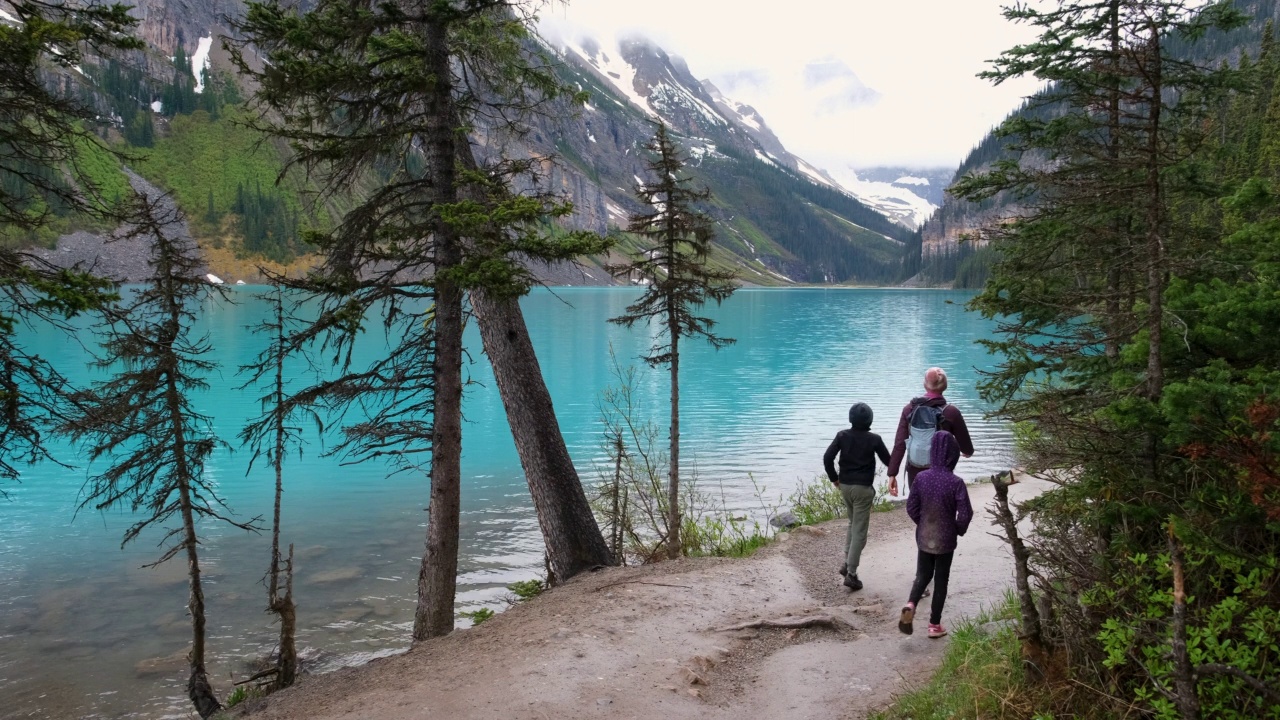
945	417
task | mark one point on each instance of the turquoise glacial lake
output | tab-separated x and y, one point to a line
86	631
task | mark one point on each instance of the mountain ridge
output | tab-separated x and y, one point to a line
781	219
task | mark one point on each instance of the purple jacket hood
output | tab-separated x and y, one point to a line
944	452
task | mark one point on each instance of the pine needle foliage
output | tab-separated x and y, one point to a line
40	128
1129	293
393	91
49	166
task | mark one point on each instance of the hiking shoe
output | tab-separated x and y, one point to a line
852	582
905	619
936	631
844	569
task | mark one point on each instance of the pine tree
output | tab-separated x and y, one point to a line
410	249
1120	355
678	281
141	420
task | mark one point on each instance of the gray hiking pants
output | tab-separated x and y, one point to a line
857	501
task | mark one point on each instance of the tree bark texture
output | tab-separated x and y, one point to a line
199	690
438	577
287	612
1155	217
282	606
674	542
1021	563
1184	679
1112	344
573	538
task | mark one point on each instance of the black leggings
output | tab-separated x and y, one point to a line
938	569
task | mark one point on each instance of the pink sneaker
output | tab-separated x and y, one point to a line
936	631
904	620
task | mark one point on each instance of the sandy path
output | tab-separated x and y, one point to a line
627	642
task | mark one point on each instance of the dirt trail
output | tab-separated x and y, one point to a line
643	642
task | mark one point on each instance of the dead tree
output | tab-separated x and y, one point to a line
1035	649
271	436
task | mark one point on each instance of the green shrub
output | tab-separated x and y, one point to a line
723	535
242	693
816	501
478	616
527	589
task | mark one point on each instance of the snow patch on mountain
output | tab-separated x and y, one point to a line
664	95
898	203
909	180
9	18
200	61
815	174
701	151
613	69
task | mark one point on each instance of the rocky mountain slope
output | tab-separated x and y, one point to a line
780	219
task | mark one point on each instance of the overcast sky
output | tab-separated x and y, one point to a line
841	82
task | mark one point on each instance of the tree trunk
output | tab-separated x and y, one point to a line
287	663
573	538
617	506
199	690
438	577
1184	679
674	544
1112	344
1155	238
282	606
1031	631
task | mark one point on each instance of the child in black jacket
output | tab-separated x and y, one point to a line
858	449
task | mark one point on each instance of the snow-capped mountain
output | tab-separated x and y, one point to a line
907	195
779	219
662	86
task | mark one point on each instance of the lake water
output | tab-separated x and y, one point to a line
82	624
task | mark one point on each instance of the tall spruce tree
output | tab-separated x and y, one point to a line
141	421
678	280
1127	293
363	88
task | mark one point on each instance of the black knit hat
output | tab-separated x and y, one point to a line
860	416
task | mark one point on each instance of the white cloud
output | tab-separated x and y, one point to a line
850	82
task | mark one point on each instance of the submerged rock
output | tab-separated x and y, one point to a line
337	575
162	665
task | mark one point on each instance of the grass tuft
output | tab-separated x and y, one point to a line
981	675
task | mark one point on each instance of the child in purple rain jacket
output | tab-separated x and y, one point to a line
939	506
